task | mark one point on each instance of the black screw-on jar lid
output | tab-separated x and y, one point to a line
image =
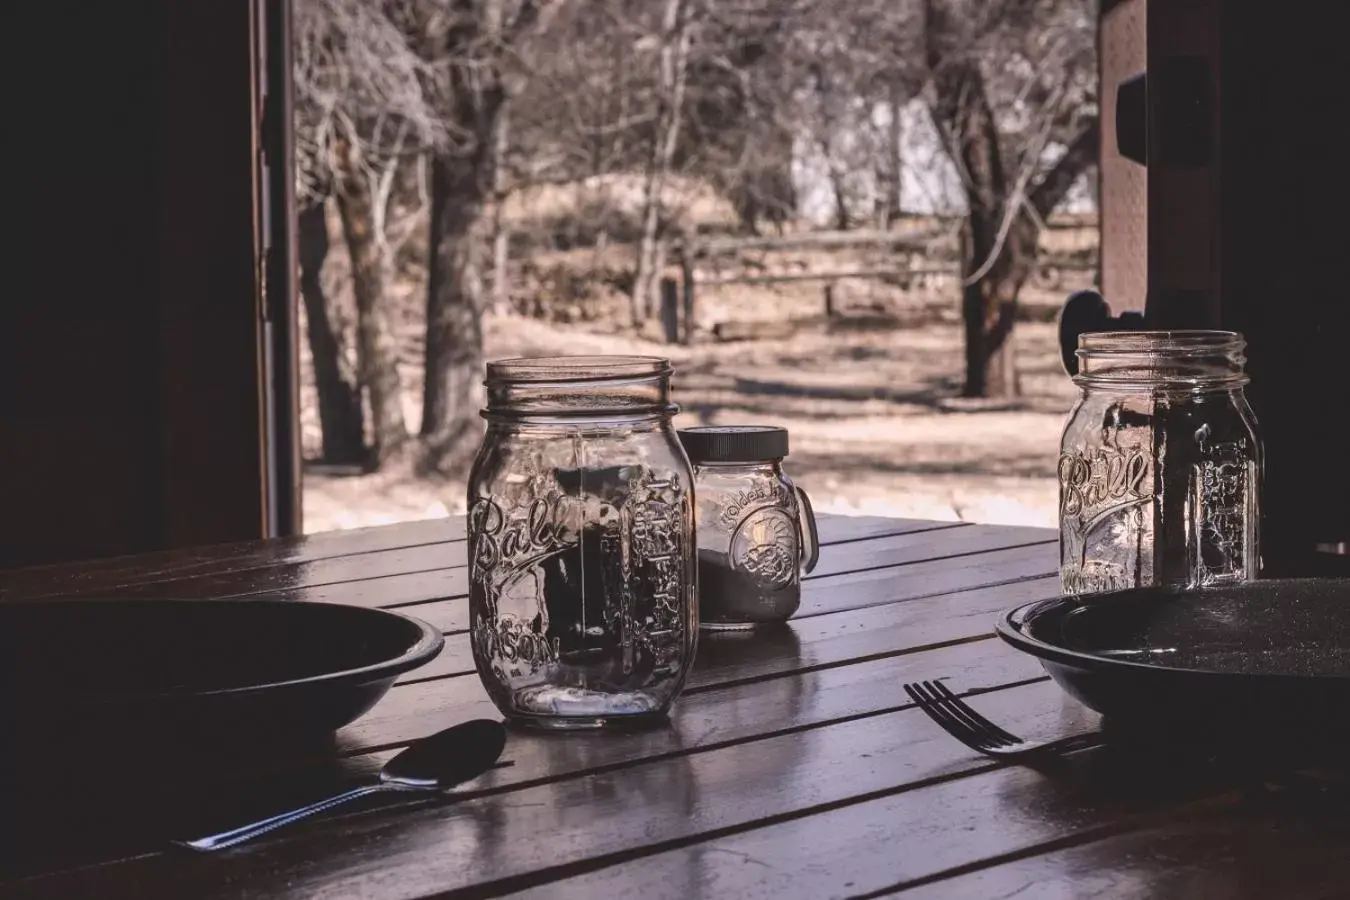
734	443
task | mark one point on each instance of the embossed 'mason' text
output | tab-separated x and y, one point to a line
515	642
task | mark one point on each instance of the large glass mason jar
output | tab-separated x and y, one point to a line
1159	464
582	585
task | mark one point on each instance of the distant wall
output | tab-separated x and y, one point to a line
929	183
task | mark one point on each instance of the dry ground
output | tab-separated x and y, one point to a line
874	427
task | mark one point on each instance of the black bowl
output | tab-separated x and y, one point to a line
195	671
1265	654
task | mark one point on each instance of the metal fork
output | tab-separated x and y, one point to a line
962	722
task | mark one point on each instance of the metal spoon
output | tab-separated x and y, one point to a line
434	763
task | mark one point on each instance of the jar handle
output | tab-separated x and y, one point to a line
806	521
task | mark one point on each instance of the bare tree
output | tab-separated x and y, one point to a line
362	108
892	169
1037	58
363	193
676	27
340	418
836	108
478	43
501	235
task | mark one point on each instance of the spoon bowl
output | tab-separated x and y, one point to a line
434	763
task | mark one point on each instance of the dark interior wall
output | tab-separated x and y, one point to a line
1246	187
1283	106
130	386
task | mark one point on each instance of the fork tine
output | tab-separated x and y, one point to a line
980	736
960	707
969	714
936	711
960	721
952	722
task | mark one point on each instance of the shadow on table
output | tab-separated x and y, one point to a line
1146	771
78	796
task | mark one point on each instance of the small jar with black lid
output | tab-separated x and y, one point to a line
756	530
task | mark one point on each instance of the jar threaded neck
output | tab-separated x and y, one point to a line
571	387
1167	360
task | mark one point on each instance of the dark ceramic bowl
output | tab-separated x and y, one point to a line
1264	654
197	670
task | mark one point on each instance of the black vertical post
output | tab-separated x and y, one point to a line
279	247
670	310
687	275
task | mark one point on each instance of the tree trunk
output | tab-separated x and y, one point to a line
340	418
989	305
895	141
674	55
501	234
455	298
376	347
840	190
993	267
998	246
462	187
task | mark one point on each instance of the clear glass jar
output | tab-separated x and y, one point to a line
1160	464
756	530
582	581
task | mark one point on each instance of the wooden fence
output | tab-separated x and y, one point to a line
678	297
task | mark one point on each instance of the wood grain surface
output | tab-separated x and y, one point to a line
793	766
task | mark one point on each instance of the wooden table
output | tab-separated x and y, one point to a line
793	767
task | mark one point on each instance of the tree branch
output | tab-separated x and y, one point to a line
1055	185
525	18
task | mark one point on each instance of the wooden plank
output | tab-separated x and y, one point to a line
420	709
858	590
855	238
965	595
960	588
903	836
792	767
836	529
285	565
217	558
704	721
880	553
725	661
733	658
832	275
864	805
446	558
749	674
446	616
443	573
1247	852
827	639
856	635
730	785
1026	556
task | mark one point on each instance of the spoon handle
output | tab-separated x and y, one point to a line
248	832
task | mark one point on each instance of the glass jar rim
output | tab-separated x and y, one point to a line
546	369
1180	341
1169	361
555	390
